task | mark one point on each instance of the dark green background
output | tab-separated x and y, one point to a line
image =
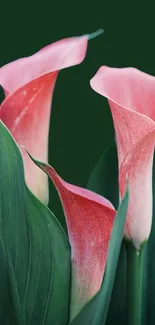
81	126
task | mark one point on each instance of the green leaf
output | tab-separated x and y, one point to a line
5	312
34	253
95	312
104	177
104	181
118	303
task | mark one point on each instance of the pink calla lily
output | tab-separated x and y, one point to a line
131	96
89	218
28	84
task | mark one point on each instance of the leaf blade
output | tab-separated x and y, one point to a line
34	244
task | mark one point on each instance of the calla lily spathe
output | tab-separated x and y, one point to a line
131	96
28	84
89	219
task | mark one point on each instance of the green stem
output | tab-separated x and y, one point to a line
134	283
95	34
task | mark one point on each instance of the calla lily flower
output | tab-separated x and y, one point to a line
131	96
89	219
28	84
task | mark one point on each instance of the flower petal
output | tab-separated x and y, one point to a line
59	55
119	87
129	87
131	94
89	219
26	113
137	165
29	85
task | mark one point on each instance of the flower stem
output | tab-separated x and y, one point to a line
134	283
96	33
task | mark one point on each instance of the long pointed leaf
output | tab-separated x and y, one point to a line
33	245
